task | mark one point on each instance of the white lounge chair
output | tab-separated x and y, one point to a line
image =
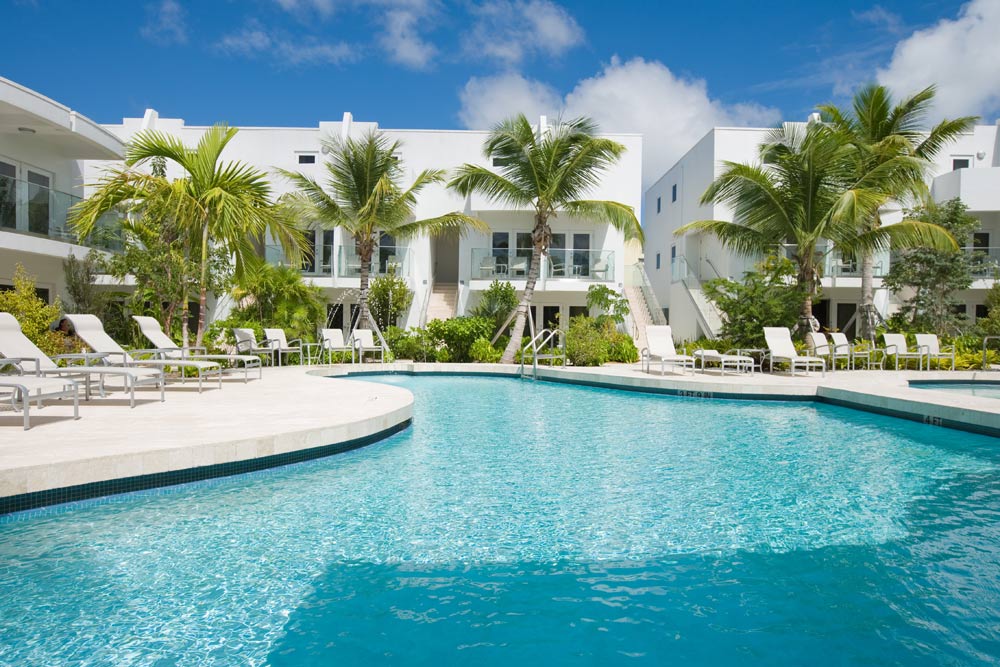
363	340
23	389
728	361
151	329
660	345
780	348
821	347
91	331
282	347
15	347
332	340
246	343
895	345
934	350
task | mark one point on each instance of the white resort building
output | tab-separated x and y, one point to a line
969	169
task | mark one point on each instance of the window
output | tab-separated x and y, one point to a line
981	240
960	163
38	202
41	292
657	204
981	311
307	158
657	261
673	192
8	200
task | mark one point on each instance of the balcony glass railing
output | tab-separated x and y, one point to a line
985	262
386	259
29	208
560	264
500	264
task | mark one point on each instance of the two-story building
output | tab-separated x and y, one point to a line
968	168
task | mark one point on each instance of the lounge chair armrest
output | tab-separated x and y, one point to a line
17	362
843	346
292	342
890	349
153	352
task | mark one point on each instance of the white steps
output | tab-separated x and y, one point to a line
443	301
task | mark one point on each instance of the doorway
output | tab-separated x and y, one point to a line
446	257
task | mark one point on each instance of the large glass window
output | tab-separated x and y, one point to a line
8	195
501	251
522	254
582	263
38	202
388	256
558	259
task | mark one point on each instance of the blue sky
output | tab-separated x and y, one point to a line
634	66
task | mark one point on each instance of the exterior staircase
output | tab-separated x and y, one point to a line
643	306
443	301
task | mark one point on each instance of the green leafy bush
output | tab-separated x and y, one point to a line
388	299
277	296
484	353
496	303
458	334
35	316
622	349
608	301
415	344
586	342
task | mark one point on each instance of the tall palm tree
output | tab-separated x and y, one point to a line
808	188
881	129
227	204
362	193
548	170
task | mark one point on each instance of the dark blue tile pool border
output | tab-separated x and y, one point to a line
69	494
913	417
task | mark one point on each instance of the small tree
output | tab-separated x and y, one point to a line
610	302
935	275
990	325
35	316
765	298
278	296
388	299
81	284
496	303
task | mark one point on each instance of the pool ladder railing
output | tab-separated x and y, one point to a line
547	344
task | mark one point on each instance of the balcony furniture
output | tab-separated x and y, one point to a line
519	266
282	347
780	348
660	345
934	350
154	333
601	269
91	331
557	268
895	345
488	267
820	346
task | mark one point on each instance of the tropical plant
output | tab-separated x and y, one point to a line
881	129
457	335
81	283
278	296
549	170
389	297
807	189
496	303
934	276
35	316
223	204
608	301
362	193
483	352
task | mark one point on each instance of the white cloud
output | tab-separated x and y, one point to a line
961	56
322	7
641	96
402	37
880	17
165	23
511	31
254	41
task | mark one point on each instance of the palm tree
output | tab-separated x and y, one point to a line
809	188
227	204
548	170
362	193
880	129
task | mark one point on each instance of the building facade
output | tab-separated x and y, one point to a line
968	168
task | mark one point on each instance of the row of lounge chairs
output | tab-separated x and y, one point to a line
276	347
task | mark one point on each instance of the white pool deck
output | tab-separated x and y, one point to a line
296	408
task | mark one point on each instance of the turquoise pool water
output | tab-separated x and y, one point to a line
986	389
534	523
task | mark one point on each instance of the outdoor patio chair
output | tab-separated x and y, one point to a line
487	267
246	343
735	362
601	269
91	331
151	329
23	389
934	350
519	266
780	348
15	347
869	355
821	347
660	345
895	345
282	347
363	340
332	340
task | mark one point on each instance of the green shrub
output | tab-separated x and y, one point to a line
458	334
622	349
443	356
388	299
608	301
484	353
586	342
33	313
415	344
496	303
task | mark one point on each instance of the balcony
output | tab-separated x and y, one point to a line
985	263
35	210
976	187
560	264
385	259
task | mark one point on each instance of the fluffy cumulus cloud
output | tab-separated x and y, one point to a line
166	23
961	56
403	26
511	31
638	95
255	41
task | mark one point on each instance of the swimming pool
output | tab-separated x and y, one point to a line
985	389
538	523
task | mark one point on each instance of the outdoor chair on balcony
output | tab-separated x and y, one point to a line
332	340
363	340
821	347
151	329
282	347
557	267
519	266
781	349
23	389
660	345
895	345
934	350
15	347
488	267
601	269
91	331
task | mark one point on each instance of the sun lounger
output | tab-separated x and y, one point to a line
895	345
24	389
660	345
15	347
821	347
934	350
151	329
781	349
90	330
734	362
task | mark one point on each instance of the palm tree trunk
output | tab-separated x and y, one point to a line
185	316
522	308
866	324
202	286
365	255
807	283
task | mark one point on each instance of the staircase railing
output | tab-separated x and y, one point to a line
648	295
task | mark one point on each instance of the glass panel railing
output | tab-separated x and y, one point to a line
985	262
319	264
498	264
29	208
841	266
385	259
596	265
